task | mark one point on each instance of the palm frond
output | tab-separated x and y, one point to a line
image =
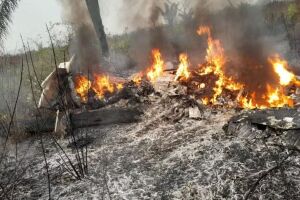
6	9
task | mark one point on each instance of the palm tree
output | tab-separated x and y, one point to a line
6	9
94	9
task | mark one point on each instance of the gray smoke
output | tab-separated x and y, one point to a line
248	43
85	44
138	14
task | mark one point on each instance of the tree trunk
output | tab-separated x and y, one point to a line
94	10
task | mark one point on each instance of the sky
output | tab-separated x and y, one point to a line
31	17
29	20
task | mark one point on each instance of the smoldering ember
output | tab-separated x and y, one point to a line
195	99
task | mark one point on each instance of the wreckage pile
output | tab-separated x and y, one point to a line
176	133
89	98
180	148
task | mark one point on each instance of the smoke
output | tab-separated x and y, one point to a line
145	18
138	14
85	44
239	24
144	14
249	42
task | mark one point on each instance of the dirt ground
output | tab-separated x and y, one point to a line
163	157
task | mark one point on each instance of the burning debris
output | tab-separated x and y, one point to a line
208	84
102	86
207	124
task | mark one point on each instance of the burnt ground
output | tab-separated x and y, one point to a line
166	155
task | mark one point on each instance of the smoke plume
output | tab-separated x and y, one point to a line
85	44
240	25
248	43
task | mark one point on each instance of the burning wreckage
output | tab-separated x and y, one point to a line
271	104
181	131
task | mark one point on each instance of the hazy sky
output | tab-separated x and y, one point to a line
30	20
31	16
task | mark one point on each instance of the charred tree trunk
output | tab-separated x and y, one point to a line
94	9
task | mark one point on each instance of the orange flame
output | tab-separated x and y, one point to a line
205	101
137	78
183	73
101	85
280	67
157	68
82	86
275	96
216	58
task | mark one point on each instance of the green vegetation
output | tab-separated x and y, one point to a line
293	12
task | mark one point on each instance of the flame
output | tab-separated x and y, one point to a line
272	95
183	73
157	68
275	98
216	60
276	95
280	67
82	86
137	78
120	86
101	85
247	103
205	101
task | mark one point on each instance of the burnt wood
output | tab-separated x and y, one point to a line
104	116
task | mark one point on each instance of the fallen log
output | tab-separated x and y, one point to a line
104	116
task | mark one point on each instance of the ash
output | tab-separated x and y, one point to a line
167	155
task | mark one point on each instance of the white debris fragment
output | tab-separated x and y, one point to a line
194	113
288	119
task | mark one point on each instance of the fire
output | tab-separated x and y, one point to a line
183	68
247	103
120	86
212	85
82	86
101	85
275	95
280	67
157	68
137	78
278	98
274	98
216	59
205	101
